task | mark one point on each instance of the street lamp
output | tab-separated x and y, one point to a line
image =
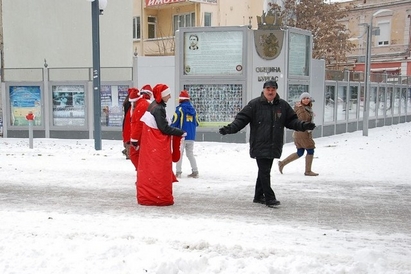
366	114
97	8
367	81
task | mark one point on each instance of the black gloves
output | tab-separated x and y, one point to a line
224	130
308	126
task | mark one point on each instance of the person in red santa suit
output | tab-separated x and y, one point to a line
126	124
133	97
155	175
140	107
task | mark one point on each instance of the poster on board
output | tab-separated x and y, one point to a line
112	99
24	99
68	105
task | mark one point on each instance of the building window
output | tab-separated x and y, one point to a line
184	20
152	21
136	27
384	38
207	19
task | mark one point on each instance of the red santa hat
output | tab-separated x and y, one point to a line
184	95
146	89
133	94
160	91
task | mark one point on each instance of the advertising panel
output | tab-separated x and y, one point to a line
24	99
112	98
68	105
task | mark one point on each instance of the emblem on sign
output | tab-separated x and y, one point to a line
268	39
268	43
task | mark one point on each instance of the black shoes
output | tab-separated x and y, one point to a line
270	203
273	203
260	200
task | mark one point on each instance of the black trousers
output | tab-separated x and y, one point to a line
263	183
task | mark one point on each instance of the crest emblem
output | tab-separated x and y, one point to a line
268	43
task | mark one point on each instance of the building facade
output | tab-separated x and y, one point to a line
61	33
155	22
47	60
391	36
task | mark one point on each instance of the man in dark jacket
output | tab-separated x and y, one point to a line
267	115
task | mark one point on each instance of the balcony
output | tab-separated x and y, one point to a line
163	46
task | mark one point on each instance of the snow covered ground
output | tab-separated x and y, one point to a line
67	208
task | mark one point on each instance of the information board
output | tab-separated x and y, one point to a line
213	53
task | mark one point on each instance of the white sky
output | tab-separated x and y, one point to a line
66	208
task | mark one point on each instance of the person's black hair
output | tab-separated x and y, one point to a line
193	35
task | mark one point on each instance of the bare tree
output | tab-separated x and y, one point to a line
330	37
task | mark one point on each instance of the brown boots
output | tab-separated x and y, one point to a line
294	156
308	162
287	160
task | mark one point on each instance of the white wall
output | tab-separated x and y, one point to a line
60	31
154	70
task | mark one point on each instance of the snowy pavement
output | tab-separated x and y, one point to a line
383	208
66	208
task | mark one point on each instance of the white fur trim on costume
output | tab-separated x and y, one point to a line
149	120
165	92
146	91
184	98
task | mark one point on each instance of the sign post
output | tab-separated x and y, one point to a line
30	117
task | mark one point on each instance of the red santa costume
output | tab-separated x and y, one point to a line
126	129
155	175
140	107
